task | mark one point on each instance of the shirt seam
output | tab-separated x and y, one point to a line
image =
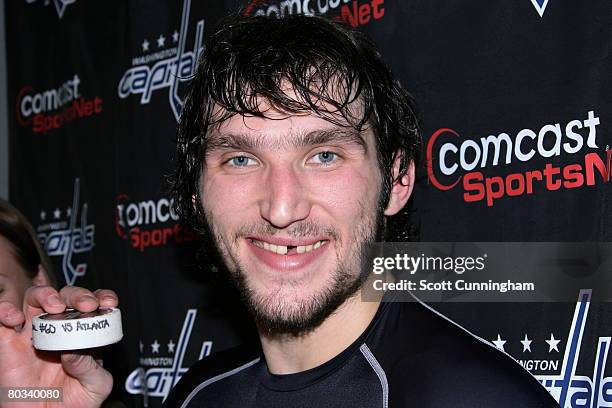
380	373
216	378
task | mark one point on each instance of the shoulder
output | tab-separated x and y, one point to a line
213	369
439	363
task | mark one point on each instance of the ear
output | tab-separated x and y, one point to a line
41	278
401	189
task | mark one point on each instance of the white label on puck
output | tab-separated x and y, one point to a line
73	330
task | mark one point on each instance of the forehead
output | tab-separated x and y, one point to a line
6	249
286	132
347	112
9	268
275	124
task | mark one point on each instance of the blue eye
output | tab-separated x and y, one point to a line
239	161
326	157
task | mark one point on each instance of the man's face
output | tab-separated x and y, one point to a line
290	203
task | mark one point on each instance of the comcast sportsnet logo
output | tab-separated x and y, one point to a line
50	109
476	166
354	12
149	223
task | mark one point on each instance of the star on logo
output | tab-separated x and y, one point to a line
161	41
175	36
68	212
60	6
57	214
145	45
43	215
171	346
499	343
155	347
526	344
553	344
540	6
140	346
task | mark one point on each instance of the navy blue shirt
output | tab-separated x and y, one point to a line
409	356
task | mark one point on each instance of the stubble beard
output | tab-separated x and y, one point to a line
273	313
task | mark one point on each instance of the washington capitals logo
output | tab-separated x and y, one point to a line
570	389
61	236
60	5
170	65
164	372
565	385
540	6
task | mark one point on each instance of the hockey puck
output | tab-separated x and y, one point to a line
74	330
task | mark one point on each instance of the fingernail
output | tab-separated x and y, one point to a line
54	300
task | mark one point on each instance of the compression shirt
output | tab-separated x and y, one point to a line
409	356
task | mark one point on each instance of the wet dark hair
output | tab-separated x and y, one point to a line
248	60
28	253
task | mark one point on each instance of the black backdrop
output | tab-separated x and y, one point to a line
515	102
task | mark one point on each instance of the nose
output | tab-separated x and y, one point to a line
285	199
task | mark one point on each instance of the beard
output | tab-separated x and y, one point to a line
275	313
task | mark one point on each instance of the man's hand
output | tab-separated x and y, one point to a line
83	380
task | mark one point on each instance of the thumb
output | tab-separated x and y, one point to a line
96	381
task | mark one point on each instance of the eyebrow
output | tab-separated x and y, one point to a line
230	141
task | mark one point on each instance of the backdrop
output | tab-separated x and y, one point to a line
516	106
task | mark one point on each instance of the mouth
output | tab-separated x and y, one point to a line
287	254
288	249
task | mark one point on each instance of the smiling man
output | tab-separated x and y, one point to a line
296	148
296	145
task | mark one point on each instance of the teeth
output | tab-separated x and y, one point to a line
282	249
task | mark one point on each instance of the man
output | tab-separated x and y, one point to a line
296	146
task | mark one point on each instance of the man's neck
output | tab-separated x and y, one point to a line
291	354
